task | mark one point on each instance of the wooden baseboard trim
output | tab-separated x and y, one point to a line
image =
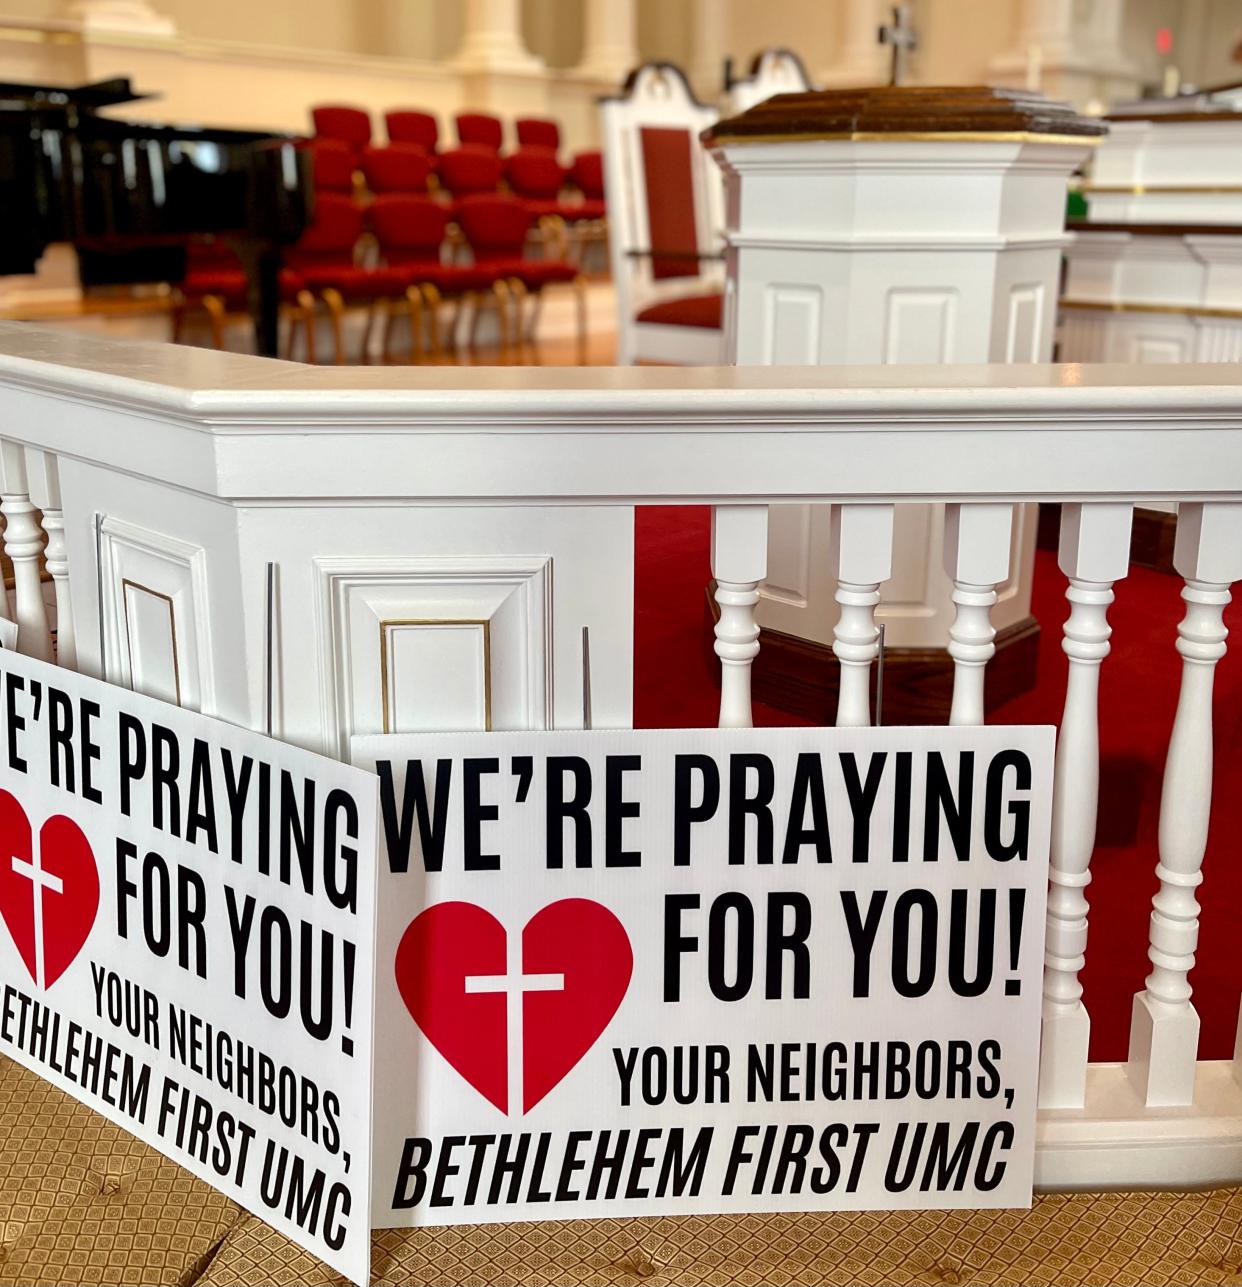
801	677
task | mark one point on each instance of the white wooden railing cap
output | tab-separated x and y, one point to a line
246	428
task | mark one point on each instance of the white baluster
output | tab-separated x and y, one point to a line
862	540
44	476
976	557
739	564
23	542
1094	552
1164	1026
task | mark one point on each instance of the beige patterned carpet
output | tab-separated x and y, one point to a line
81	1202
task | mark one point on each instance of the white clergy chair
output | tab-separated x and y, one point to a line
665	200
772	71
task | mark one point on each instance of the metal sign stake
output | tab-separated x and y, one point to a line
879	683
586	676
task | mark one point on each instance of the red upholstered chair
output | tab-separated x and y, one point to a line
469	169
665	220
399	167
481	129
332	165
215	282
534	131
586	173
496	226
404	125
410	232
324	258
350	125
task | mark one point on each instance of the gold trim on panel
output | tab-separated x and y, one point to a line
439	621
910	136
127	584
1142	189
1184	310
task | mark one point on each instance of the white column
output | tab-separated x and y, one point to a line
23	543
1164	1026
1078	49
1094	552
709	26
120	18
44	476
609	46
862	59
739	563
976	557
862	540
493	39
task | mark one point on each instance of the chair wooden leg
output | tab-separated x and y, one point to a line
414	307
376	305
216	312
336	312
431	298
467	304
501	294
386	337
580	302
306	303
179	307
518	293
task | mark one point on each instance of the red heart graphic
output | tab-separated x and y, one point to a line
63	877
451	968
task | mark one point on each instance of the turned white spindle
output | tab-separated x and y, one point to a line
44	479
862	540
739	564
1094	552
976	557
1164	1026
23	543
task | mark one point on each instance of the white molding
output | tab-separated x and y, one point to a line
1114	1142
139	554
493	580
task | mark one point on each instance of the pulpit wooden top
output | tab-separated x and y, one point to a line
906	112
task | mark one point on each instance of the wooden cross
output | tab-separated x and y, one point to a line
901	36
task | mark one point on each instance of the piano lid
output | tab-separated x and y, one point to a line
101	93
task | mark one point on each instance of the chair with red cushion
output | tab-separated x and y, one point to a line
324	257
349	125
399	167
332	165
535	131
404	125
469	169
586	173
665	220
496	226
536	176
215	282
410	232
480	129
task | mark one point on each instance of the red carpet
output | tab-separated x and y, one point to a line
676	686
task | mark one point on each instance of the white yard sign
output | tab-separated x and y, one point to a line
637	973
187	942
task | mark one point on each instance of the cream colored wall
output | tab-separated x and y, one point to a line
959	38
809	27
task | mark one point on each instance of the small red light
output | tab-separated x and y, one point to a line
1164	41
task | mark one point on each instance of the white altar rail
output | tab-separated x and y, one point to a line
322	551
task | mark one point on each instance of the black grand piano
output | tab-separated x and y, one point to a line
131	196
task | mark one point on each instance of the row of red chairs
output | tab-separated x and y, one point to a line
323	267
352	126
533	174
